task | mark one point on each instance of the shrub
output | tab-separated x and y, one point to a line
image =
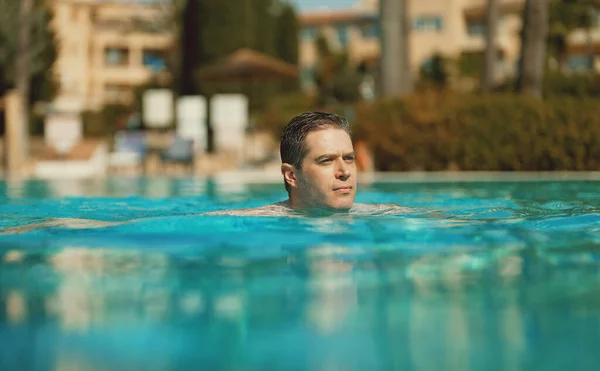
503	133
434	72
575	85
280	110
105	122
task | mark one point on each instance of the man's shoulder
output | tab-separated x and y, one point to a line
283	209
380	209
276	209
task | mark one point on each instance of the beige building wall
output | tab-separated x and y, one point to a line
438	26
358	47
86	30
447	40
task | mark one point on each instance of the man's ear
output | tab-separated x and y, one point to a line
289	174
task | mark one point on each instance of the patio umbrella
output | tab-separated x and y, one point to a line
248	66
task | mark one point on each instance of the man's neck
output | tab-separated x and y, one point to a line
310	210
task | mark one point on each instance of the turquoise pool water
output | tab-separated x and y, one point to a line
481	275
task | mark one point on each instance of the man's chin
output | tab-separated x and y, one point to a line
340	207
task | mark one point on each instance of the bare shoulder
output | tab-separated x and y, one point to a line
394	207
63	223
380	209
276	209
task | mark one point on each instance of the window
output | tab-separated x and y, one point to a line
116	56
342	31
309	33
580	62
371	31
154	60
476	28
428	23
307	75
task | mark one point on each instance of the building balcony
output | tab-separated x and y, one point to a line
139	39
130	75
581	40
478	43
476	9
473	44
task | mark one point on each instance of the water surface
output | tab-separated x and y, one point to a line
495	275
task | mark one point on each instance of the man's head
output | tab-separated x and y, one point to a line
318	164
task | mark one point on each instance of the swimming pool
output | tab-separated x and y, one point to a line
486	273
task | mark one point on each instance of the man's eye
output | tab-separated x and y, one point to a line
325	161
349	158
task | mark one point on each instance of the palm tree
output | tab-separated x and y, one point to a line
395	65
533	48
490	50
27	53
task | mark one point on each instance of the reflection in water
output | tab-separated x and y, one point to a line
14	187
503	278
332	288
16	311
91	308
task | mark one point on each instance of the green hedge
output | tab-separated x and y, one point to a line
575	85
500	132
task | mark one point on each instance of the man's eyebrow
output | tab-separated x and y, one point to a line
326	155
331	155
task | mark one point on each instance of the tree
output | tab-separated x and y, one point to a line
41	53
286	38
286	41
325	71
27	53
213	29
395	61
434	72
336	78
487	81
190	45
533	48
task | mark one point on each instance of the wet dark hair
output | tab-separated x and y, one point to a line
293	140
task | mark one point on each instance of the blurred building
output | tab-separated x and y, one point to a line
508	38
354	30
584	46
454	29
107	48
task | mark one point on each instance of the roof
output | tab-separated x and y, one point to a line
337	16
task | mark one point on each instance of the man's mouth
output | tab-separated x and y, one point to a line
343	189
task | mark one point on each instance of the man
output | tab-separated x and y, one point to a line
318	168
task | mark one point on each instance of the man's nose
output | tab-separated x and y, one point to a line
343	170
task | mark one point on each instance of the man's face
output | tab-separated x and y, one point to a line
327	178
